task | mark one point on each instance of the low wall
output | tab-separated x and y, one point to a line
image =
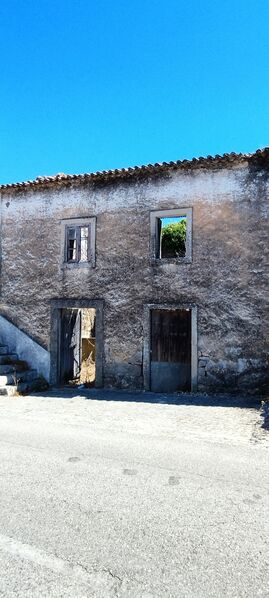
28	350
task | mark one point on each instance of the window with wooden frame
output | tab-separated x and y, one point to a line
78	238
77	244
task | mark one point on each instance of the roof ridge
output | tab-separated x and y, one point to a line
202	161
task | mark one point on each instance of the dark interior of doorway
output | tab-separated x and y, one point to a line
77	347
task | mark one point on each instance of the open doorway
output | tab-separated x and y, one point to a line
77	346
77	342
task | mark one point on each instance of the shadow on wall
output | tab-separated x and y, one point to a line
27	349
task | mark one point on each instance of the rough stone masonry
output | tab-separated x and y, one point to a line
226	279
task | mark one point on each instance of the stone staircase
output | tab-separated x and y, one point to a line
15	375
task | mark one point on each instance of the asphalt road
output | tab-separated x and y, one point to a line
132	499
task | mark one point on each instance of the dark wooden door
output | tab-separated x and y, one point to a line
170	368
70	346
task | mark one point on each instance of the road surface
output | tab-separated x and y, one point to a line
118	495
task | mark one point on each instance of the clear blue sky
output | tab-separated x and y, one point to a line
92	85
166	221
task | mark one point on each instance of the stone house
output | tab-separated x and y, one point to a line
87	291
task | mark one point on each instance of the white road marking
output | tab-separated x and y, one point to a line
56	564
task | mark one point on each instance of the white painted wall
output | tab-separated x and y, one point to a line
26	349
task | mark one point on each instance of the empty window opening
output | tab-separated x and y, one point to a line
78	347
172	233
77	244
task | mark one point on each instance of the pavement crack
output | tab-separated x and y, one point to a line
112	574
90	570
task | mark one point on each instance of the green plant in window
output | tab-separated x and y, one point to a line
173	239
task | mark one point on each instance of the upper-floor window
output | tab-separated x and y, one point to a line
77	244
78	238
171	235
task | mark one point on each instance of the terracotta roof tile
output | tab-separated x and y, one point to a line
261	156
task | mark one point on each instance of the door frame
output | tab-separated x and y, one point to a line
56	306
148	308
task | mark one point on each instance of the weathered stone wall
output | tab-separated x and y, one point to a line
227	279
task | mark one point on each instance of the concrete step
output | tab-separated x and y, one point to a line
9	367
8	391
3	350
16	377
5	359
35	384
12	390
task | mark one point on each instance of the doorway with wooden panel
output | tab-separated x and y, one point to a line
170	350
